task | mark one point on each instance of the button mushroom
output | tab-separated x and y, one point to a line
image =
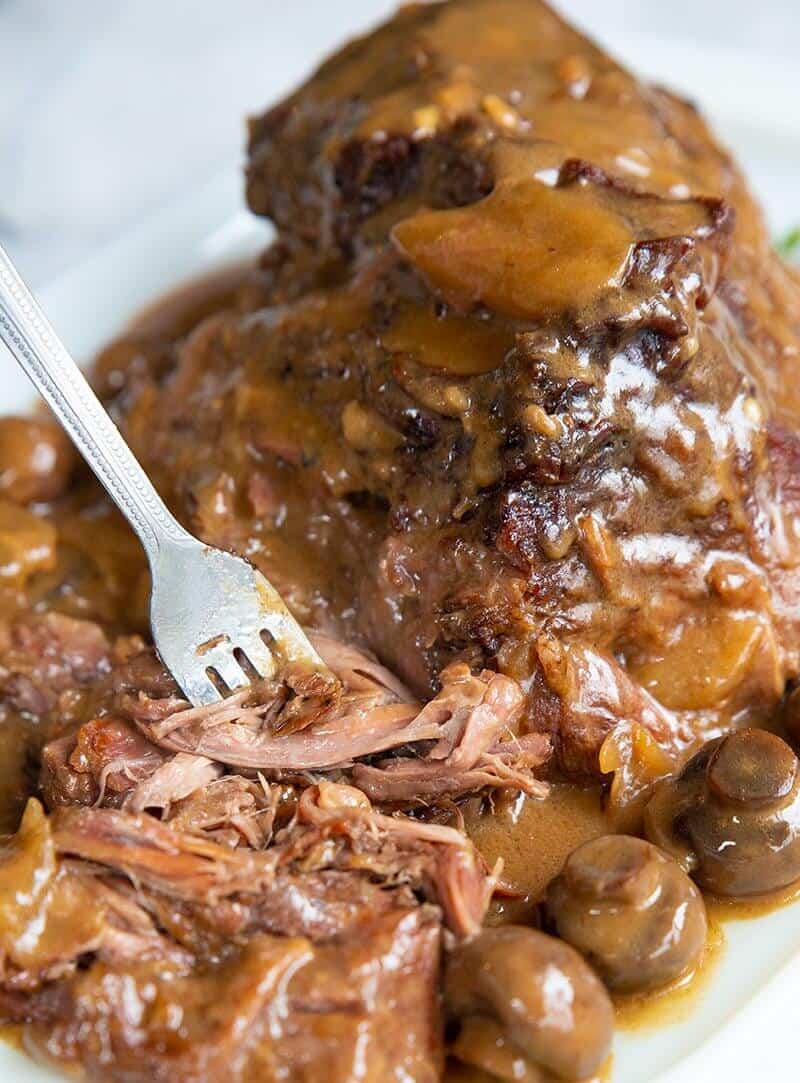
732	816
790	714
36	459
630	910
535	994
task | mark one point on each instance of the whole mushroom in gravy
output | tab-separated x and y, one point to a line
630	910
790	714
732	816
519	992
36	459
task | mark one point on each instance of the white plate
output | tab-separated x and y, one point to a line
742	1027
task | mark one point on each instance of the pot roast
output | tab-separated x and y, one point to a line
506	412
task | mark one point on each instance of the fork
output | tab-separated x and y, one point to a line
217	622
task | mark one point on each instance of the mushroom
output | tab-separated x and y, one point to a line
532	994
36	459
790	714
630	910
732	816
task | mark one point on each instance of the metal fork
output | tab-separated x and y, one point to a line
217	622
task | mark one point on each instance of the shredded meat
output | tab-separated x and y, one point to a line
507	765
178	778
436	859
106	759
465	719
231	809
48	655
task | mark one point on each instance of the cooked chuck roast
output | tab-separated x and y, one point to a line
560	372
507	414
630	910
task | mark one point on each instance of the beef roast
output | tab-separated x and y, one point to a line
527	388
278	1008
507	414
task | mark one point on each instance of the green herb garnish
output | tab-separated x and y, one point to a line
789	245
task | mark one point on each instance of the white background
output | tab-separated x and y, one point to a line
110	109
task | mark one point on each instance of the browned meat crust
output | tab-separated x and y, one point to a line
577	448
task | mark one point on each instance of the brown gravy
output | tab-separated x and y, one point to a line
455	1072
756	906
512	406
11	1034
534	837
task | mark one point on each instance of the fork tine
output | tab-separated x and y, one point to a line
213	613
260	657
198	688
225	665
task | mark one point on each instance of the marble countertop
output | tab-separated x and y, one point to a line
108	111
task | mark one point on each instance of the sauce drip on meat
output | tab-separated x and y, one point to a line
521	251
507	414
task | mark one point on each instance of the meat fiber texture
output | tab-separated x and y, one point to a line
545	353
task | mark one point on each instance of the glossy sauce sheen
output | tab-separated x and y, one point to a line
534	838
675	1002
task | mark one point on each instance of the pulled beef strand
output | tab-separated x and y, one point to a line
462	884
146	751
437	860
471	720
177	778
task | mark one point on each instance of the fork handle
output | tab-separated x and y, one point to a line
46	361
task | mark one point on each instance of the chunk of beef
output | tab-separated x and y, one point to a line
595	697
215	986
330	904
47	655
472	722
406	850
478	748
102	762
276	1009
177	778
576	454
407	781
148	851
53	913
550	481
436	861
232	809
